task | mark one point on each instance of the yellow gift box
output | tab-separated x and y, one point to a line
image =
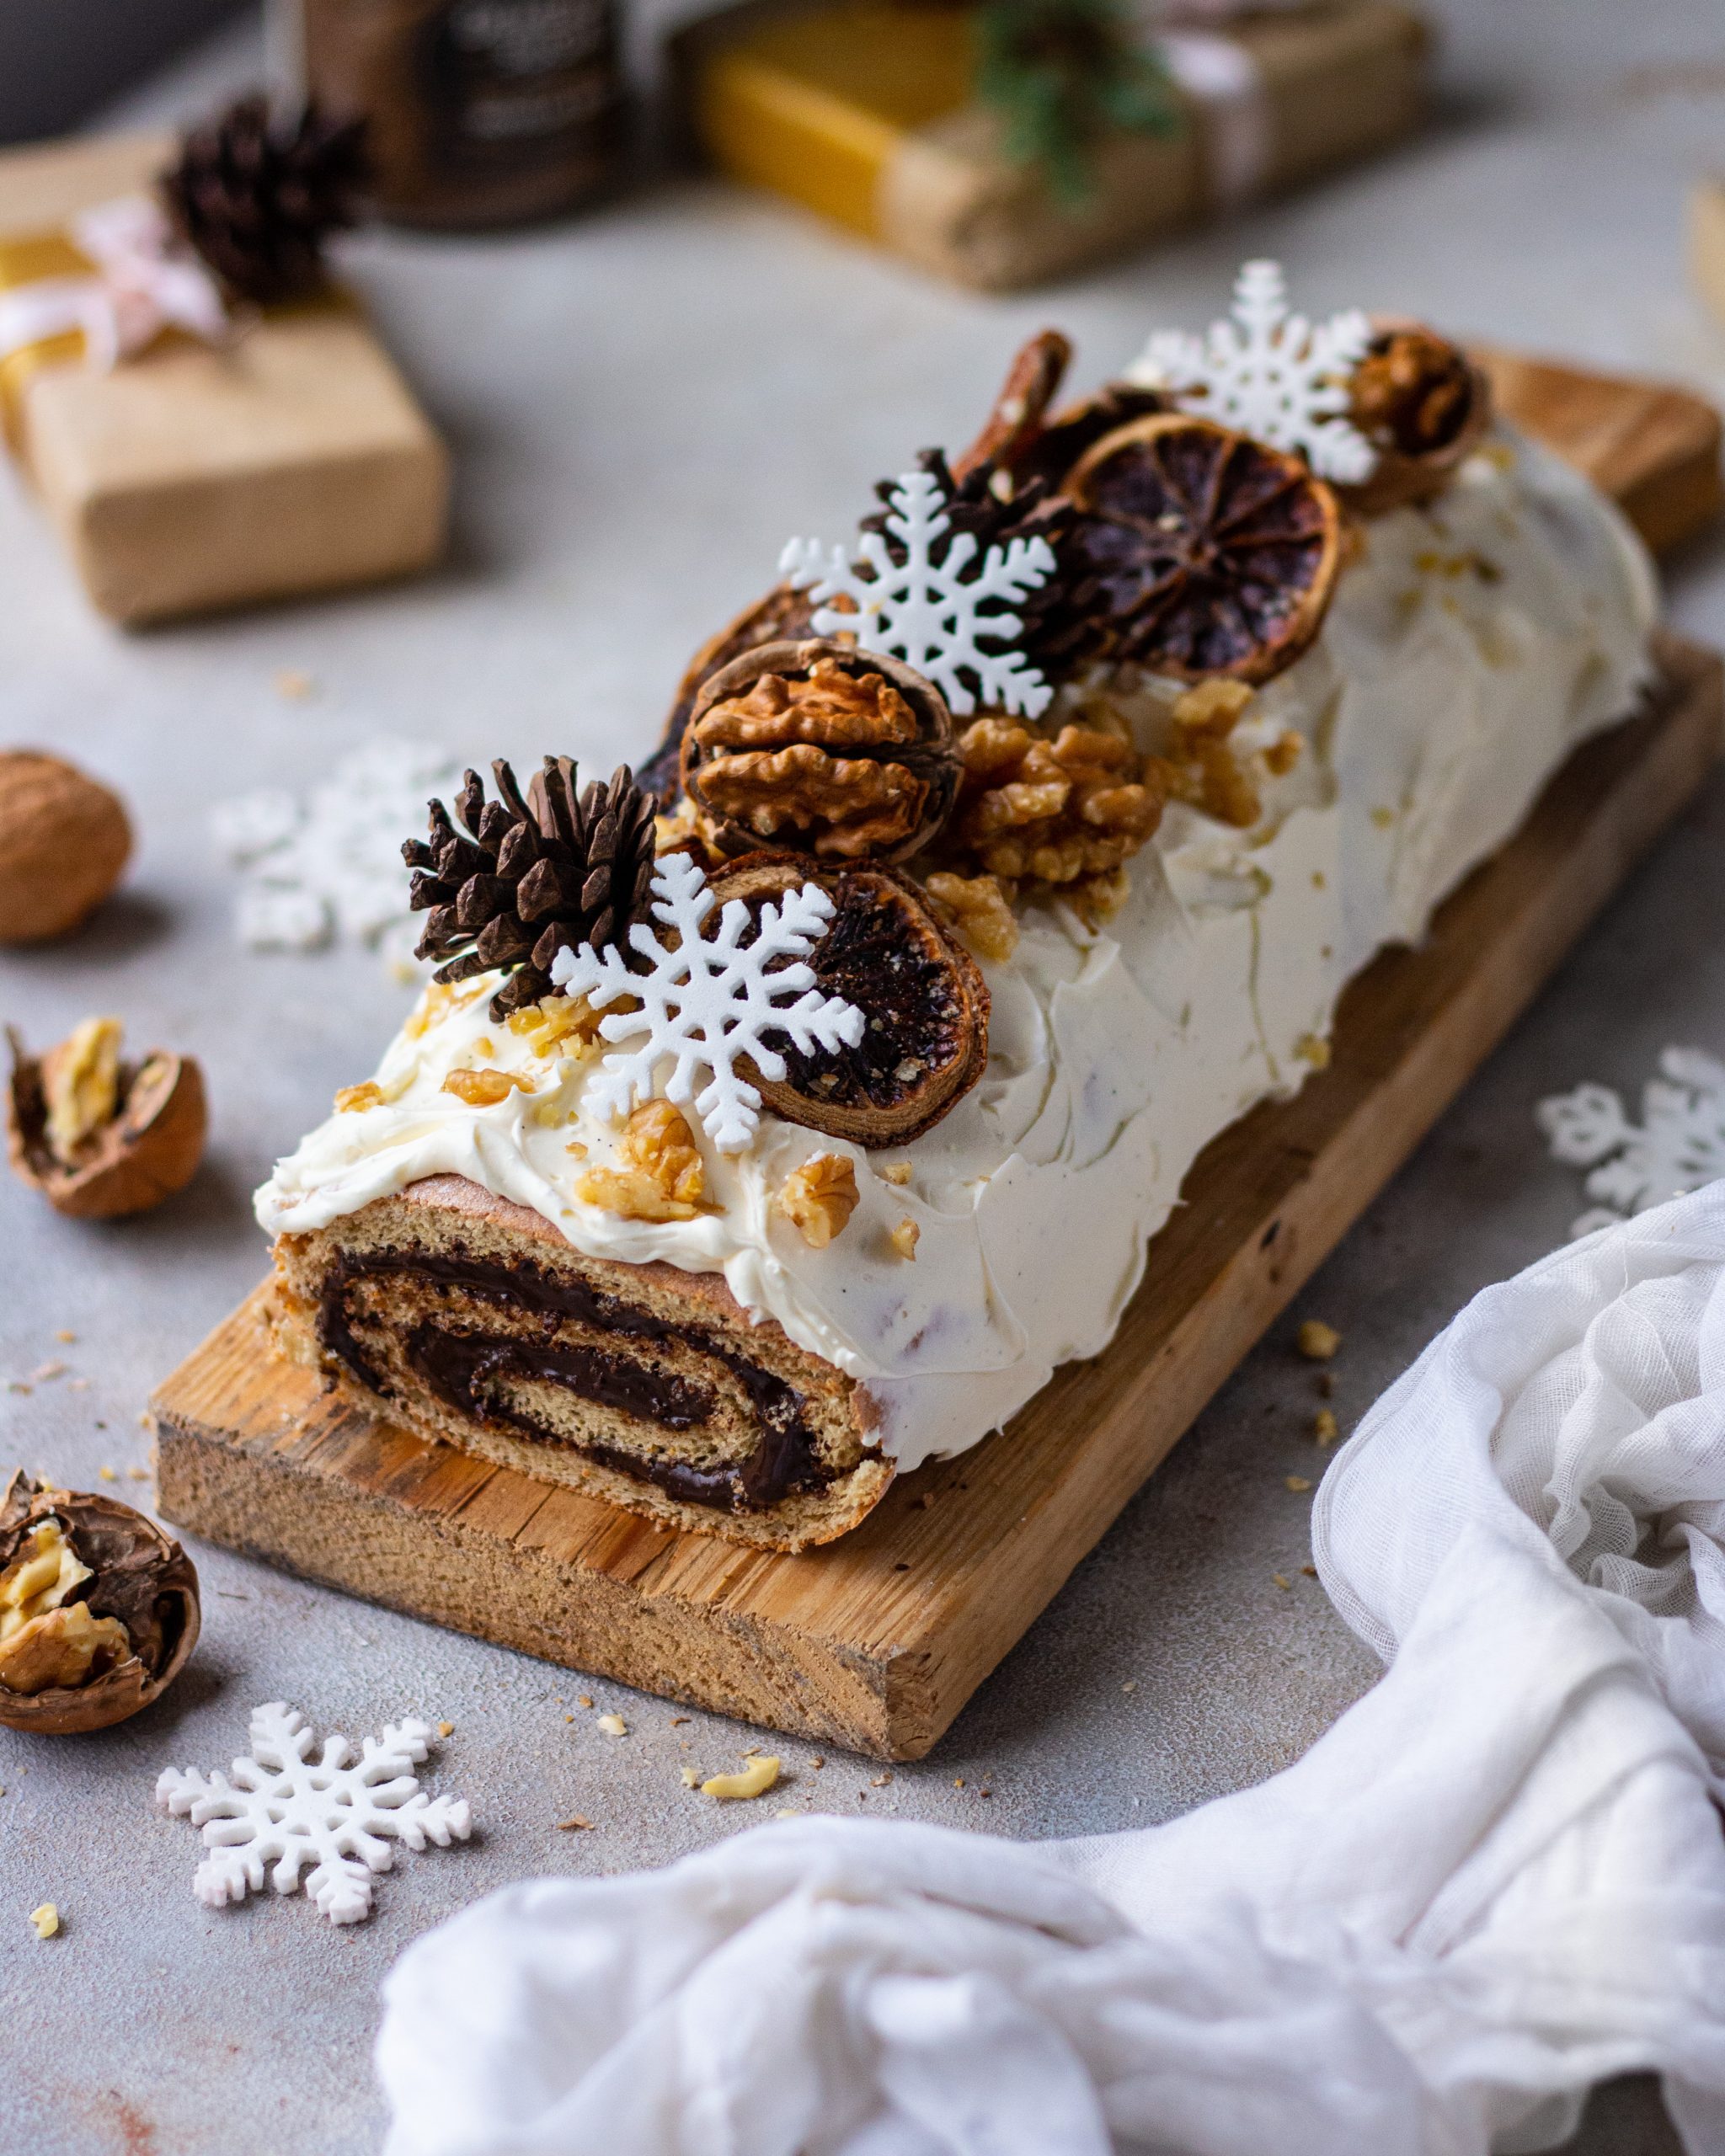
862	110
191	477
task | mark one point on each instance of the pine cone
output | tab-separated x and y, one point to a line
528	879
257	199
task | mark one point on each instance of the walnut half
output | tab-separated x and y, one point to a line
829	751
99	1609
98	1136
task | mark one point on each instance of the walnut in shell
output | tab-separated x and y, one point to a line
99	1609
98	1136
925	1042
1423	405
64	839
822	749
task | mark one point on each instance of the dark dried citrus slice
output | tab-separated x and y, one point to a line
925	1040
1203	552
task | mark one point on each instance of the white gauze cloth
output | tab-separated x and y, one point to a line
1497	1879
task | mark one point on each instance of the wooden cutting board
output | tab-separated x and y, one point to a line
876	1642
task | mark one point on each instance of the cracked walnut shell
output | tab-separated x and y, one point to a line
1423	405
99	1609
64	840
99	1137
842	755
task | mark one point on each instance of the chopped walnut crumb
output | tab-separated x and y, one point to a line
45	1920
660	1175
1325	1428
759	1776
979	909
1298	1483
905	1238
1317	1342
1202	768
564	1025
446	1729
565	1826
352	1099
896	1171
692	1777
1282	1581
484	1089
1313	1048
819	1197
612	1725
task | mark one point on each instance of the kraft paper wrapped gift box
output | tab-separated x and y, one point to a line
862	111
191	477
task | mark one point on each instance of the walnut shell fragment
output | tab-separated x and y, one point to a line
1423	405
925	1006
99	1137
64	839
821	749
99	1609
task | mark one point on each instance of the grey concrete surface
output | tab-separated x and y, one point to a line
643	406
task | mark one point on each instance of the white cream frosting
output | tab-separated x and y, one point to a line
1465	655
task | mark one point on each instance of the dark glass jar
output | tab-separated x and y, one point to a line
481	112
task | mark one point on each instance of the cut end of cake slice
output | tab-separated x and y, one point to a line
471	1322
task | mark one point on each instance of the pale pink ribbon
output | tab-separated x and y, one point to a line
144	279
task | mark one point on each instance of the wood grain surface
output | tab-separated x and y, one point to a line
875	1642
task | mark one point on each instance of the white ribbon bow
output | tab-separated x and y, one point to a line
146	281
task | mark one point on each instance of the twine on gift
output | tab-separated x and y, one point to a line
101	292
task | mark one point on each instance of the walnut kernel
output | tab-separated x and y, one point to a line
905	1238
979	909
81	1086
819	1197
484	1089
661	1176
1053	808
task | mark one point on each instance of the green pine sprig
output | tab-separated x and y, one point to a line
1061	73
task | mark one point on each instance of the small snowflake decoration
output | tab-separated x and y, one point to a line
926	609
286	1808
1272	374
1678	1146
331	867
710	1001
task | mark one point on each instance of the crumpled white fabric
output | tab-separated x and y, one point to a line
1499	1878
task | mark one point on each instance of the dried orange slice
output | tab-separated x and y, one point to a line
1200	552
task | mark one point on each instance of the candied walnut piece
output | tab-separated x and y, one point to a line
925	1042
98	1136
1203	766
1058	808
842	755
484	1089
819	1197
979	909
1423	405
98	1609
660	1175
1208	552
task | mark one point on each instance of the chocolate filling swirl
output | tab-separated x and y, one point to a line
470	1371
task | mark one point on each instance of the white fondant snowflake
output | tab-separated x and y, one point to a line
331	866
1272	374
1679	1144
710	1001
285	1808
926	609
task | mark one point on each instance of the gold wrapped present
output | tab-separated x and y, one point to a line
213	465
863	111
